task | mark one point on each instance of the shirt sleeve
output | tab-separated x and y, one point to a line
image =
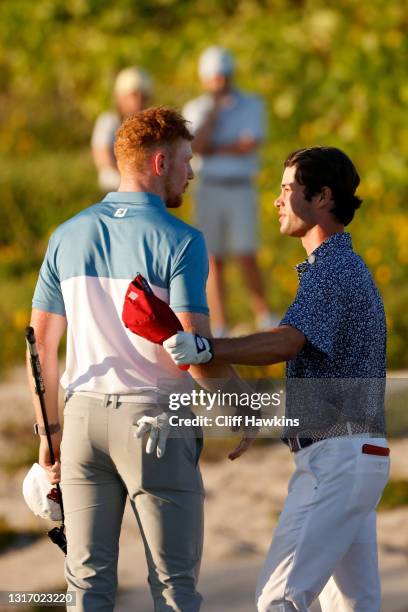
48	295
318	312
189	277
103	134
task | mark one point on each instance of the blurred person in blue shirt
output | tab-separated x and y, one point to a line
229	127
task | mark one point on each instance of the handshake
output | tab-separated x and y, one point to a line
188	349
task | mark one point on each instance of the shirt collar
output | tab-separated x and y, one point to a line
336	243
134	197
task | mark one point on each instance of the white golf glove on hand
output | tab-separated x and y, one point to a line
185	348
159	428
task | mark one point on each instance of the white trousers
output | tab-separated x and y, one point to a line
325	545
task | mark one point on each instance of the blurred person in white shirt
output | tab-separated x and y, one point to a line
132	93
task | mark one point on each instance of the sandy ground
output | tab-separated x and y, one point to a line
243	500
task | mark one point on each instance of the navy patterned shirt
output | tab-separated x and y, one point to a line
339	310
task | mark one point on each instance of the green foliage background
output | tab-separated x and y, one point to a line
331	72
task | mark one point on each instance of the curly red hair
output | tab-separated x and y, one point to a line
146	130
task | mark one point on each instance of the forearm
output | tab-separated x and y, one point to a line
50	374
212	375
206	375
202	138
279	344
49	329
108	174
239	147
103	158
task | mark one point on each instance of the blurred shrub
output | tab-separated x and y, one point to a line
9	536
24	456
395	495
396	409
38	194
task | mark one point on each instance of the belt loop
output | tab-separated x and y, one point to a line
105	401
349	429
115	401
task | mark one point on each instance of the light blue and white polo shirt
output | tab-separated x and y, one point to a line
90	260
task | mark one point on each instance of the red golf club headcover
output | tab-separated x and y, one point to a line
148	316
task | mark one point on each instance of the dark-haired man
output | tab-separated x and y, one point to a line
333	338
115	380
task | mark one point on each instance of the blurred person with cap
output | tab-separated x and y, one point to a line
132	92
229	126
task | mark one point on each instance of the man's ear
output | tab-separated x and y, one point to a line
325	197
159	163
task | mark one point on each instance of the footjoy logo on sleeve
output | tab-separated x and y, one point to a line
121	212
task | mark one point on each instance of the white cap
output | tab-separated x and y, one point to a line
40	495
133	79
215	60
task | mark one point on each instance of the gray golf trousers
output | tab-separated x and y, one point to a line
102	463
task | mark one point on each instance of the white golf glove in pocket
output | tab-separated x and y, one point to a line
188	349
158	428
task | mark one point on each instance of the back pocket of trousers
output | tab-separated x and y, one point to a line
371	476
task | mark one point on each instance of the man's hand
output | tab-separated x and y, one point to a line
185	348
53	470
242	447
159	429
